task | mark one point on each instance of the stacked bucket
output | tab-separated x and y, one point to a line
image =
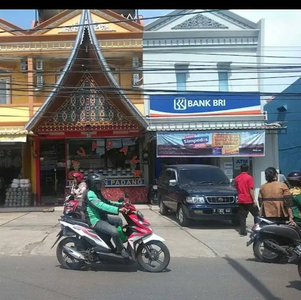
19	194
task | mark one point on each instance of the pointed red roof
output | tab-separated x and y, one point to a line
86	58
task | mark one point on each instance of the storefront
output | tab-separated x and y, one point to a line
15	186
116	158
91	127
222	129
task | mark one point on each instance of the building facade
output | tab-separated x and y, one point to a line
284	109
202	80
72	102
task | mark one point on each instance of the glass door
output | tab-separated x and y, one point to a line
52	171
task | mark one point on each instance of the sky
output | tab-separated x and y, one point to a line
281	34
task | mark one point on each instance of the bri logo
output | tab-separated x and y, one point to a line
180	104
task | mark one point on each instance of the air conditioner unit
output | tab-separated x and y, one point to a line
136	62
39	65
40	81
23	65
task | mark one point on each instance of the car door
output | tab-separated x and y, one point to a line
172	192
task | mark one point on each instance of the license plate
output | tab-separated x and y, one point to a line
222	210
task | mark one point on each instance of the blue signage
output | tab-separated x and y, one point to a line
125	182
204	104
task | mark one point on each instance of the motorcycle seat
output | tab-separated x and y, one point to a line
76	222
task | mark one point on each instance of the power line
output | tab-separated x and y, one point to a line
109	22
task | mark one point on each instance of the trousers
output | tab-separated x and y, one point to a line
109	226
243	212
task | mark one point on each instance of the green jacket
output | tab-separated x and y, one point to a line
296	208
98	208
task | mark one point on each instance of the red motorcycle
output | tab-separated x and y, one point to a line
88	246
71	207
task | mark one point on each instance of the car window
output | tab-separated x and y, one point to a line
168	175
173	175
162	176
203	175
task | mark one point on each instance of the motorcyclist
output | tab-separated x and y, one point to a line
79	187
294	179
100	211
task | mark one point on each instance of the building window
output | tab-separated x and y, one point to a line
4	91
112	157
223	70
223	81
181	77
58	74
116	73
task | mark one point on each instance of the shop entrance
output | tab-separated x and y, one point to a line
52	171
10	167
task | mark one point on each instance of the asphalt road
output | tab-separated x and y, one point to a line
209	260
37	277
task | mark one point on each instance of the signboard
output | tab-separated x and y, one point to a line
239	161
204	104
125	182
120	182
210	144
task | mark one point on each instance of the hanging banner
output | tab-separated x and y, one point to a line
204	104
210	144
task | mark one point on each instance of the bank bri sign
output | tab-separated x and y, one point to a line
204	104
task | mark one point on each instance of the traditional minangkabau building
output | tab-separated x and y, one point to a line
87	116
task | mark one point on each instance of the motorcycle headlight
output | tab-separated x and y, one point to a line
195	200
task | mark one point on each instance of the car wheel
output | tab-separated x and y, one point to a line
183	220
162	208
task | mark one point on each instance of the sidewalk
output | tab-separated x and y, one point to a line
33	233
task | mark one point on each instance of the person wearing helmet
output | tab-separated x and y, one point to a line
294	179
102	214
78	188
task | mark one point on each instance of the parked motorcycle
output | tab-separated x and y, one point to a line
89	247
153	197
273	242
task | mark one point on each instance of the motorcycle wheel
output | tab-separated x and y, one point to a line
154	198
156	248
66	261
266	255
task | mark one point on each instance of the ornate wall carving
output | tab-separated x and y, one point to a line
87	106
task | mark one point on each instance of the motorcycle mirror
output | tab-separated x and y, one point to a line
126	195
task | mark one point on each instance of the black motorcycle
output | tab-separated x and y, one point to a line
153	193
275	242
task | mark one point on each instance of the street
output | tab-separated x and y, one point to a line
208	261
37	277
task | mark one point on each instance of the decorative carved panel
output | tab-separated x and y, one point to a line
199	21
87	106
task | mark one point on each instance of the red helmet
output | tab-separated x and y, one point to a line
78	176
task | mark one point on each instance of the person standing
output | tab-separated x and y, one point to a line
282	178
244	184
276	199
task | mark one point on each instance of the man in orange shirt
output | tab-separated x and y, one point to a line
246	200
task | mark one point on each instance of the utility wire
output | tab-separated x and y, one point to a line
110	22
